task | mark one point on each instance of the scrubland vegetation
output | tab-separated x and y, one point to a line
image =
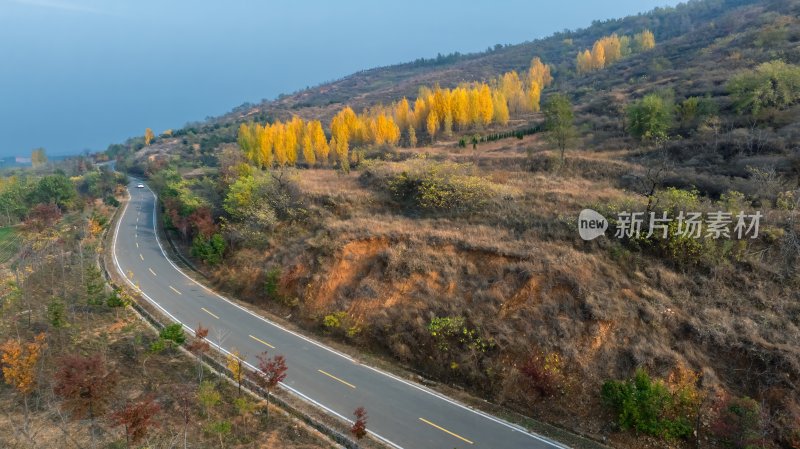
443	235
79	368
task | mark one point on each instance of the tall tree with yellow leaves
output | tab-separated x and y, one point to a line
584	62
534	95
265	145
148	136
624	46
432	125
321	148
598	56
460	106
247	141
485	109
294	134
511	87
540	73
279	145
402	113
420	113
611	48
644	41
500	108
343	126
412	137
309	156
342	149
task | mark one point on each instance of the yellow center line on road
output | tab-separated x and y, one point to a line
206	311
337	379
262	341
141	256
151	270
175	290
446	431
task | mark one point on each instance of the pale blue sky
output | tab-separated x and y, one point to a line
80	74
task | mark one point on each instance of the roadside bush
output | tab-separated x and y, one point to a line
334	320
739	423
449	332
544	371
273	277
174	333
209	249
647	406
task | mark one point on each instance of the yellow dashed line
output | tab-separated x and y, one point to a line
262	341
336	378
446	431
206	311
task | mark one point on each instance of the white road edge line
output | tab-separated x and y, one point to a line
494	419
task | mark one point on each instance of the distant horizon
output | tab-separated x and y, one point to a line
101	74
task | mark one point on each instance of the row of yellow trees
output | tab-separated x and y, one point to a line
435	112
440	111
609	49
282	143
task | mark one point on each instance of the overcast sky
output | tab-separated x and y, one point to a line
81	74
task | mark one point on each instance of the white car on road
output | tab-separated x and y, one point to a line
139	186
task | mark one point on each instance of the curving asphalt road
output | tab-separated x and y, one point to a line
401	413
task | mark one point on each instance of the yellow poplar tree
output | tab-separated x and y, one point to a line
611	48
308	150
321	148
342	153
461	107
148	136
294	134
584	62
540	73
412	137
500	108
534	95
420	112
644	41
265	143
473	106
247	141
447	125
279	136
402	113
485	109
624	46
598	56
511	87
432	124
343	125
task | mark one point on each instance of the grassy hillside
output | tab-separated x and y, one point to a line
463	263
